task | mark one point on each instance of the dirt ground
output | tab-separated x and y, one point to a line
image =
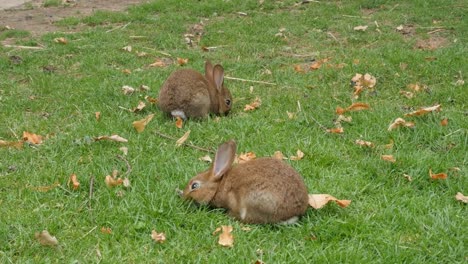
35	18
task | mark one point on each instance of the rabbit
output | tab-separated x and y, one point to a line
187	93
259	191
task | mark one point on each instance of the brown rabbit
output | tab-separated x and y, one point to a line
187	93
259	191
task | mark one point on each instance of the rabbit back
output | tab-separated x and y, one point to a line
264	190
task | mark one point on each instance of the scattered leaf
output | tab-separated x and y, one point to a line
360	28
158	237
126	183
61	40
226	239
11	144
298	68
124	150
127	48
254	105
46	239
144	88
408	177
278	155
438	176
425	110
353	107
126	71
291	115
444	122
389	145
363	143
128	89
141	105
388	158
151	100
140	125
182	61
32	138
179	122
206	158
181	140
336	130
44	188
97	115
115	138
299	156
158	63
407	94
317	64
416	87
106	230
400	122
113	182
399	28
244	157
318	201
342	118
462	198
74	181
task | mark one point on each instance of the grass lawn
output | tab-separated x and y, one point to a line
416	50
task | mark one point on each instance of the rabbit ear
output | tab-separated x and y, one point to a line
208	70
224	158
218	76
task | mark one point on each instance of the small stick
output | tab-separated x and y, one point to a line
187	144
245	80
129	168
437	30
22	47
160	52
91	190
89	232
121	27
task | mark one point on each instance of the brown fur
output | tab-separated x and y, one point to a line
195	95
265	190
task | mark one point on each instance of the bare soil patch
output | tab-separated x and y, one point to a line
35	18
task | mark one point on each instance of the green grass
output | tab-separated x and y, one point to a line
390	220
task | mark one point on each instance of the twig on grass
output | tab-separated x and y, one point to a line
129	168
245	80
91	190
22	47
89	232
120	27
185	143
160	52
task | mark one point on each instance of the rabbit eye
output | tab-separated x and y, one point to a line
228	102
195	185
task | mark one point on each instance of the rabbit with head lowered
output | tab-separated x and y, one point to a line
259	191
187	93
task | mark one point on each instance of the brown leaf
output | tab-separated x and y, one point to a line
336	130
32	138
46	239
106	230
388	158
353	107
342	118
158	237
11	144
128	89
363	143
140	125
299	156
126	71
278	155
318	201
141	105
181	140
226	239
244	157
98	115
317	64
400	122
408	177
407	94
61	40
438	176
179	122
144	88
74	181
151	100
206	158
462	198
158	63
115	138
425	110
182	61
254	105
113	182
444	122
298	68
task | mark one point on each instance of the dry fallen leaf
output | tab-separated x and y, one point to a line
182	61
407	94
126	71
144	88
140	125
363	143
44	188
124	150
127	48
389	145
444	122
206	158
32	138
151	100
317	64
61	40
141	105
318	201
278	155
106	230
360	28
400	122
226	239
113	182
424	110
11	144
158	237
181	140
158	63
115	138
353	107
298	68
438	176
97	115
179	122
128	89
244	157
462	198
342	118
408	177
388	158
336	130
46	239
299	156
74	181
291	115
254	105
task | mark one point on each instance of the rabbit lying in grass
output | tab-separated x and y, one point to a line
259	191
187	93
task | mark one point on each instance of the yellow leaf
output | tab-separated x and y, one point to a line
226	239
299	156
408	177
354	107
181	140
127	48
45	238
158	237
111	182
141	124
151	100
318	201
74	181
